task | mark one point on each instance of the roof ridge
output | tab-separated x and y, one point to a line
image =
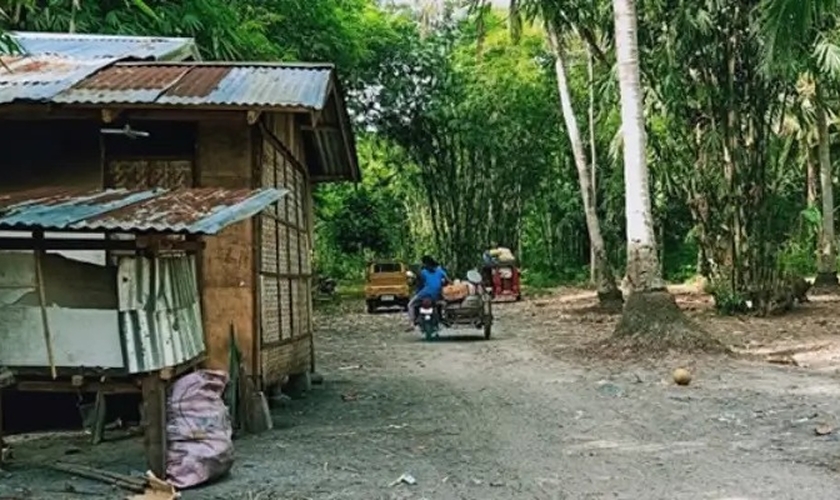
233	64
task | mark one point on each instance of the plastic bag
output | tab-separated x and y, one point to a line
455	292
198	430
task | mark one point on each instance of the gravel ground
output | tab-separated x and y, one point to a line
501	419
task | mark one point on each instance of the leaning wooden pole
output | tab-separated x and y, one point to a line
42	301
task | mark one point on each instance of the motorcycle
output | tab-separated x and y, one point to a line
474	310
429	319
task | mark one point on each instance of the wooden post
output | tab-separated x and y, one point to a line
42	300
154	423
99	417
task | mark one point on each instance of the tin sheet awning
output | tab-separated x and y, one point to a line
179	211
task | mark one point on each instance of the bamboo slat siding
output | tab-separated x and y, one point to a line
284	260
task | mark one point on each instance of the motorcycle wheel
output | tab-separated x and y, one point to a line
428	330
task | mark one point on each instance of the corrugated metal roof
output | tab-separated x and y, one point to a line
159	312
206	84
186	210
94	46
40	78
54	62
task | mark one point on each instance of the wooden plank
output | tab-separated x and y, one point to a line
61	386
154	423
89	244
99	418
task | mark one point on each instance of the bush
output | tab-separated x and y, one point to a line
727	300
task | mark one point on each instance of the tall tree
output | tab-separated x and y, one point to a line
651	315
608	292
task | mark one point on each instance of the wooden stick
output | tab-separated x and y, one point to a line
135	485
42	299
154	423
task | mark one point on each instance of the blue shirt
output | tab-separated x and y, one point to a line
432	283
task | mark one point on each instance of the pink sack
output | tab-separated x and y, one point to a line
198	430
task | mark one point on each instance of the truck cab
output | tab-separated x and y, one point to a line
387	285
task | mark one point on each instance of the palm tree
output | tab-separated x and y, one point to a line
795	32
651	315
643	270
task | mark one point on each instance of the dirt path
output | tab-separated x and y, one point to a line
501	420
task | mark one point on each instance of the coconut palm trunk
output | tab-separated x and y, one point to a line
608	292
643	270
651	316
826	262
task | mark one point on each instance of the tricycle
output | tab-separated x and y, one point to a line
473	309
503	281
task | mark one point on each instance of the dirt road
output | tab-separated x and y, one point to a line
470	419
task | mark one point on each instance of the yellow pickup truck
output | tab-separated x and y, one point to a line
387	285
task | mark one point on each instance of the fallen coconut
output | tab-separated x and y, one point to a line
682	376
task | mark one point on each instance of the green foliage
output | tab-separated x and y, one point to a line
797	254
461	143
728	301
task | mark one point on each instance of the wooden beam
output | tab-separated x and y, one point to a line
61	386
320	143
154	423
194	107
99	417
253	117
277	143
90	244
42	111
321	128
110	115
186	115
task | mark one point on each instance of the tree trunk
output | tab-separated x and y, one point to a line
826	263
651	316
642	261
811	177
593	156
608	291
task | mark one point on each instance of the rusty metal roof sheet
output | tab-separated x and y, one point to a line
94	46
185	210
54	62
269	85
39	78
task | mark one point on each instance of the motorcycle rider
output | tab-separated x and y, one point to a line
431	281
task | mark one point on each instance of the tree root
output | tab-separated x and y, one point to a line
610	301
652	322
